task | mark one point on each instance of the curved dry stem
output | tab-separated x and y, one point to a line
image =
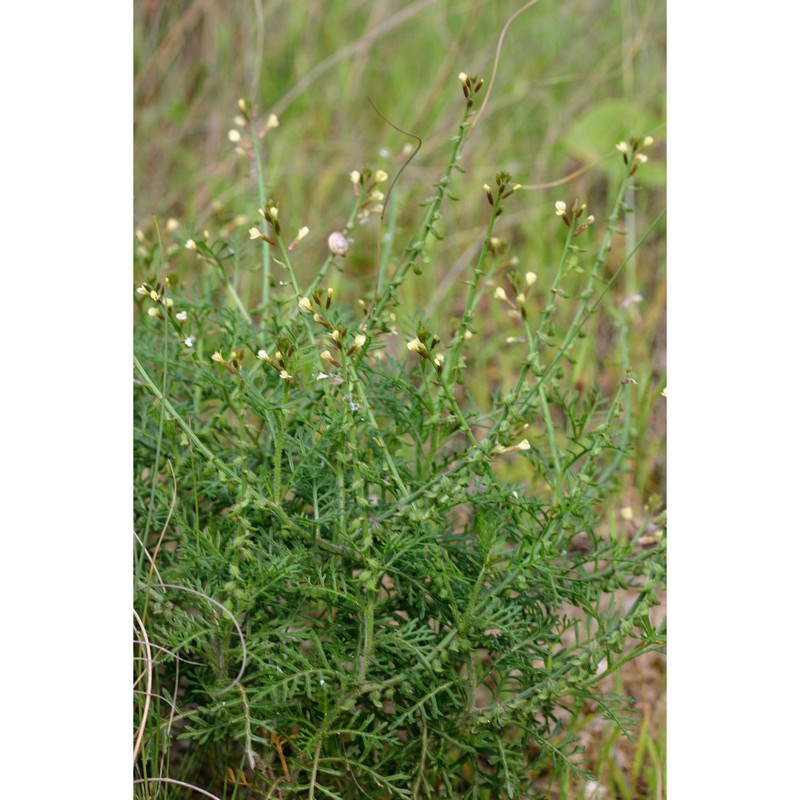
168	652
169	702
405	163
146	552
178	783
561	181
225	611
497	59
166	521
354	47
140	732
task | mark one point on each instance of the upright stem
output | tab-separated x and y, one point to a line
262	199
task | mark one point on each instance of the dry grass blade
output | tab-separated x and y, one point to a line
225	611
140	732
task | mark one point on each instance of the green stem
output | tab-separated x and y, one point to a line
417	247
265	253
465	325
224	470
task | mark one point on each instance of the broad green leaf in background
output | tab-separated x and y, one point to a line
593	135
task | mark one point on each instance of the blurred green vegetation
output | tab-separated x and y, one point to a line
573	78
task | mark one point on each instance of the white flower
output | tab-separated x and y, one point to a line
302	233
234	136
380	176
462	76
285	376
218	358
647	141
626	513
255	233
622	147
438	359
305	305
153	312
416	346
530	278
500	293
355	177
191	244
263	355
189	341
359	340
181	316
640	157
272	122
143	290
561	208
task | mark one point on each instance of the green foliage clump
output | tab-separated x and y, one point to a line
351	581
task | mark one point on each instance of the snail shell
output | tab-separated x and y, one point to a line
338	244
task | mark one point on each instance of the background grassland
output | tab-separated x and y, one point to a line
573	78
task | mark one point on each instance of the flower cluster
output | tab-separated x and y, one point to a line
317	305
574	215
271	218
423	344
233	363
520	286
365	186
163	305
470	85
243	120
631	152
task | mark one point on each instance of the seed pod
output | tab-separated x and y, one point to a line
338	244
